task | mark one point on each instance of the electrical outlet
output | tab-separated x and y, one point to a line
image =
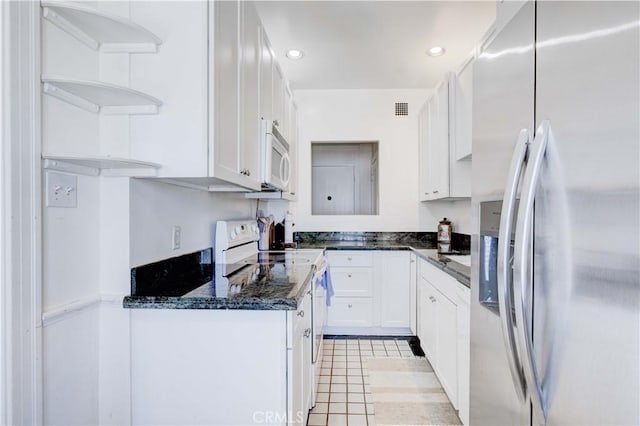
61	190
175	237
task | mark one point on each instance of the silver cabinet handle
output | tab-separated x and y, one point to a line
349	275
435	192
521	271
307	333
505	285
301	314
350	305
349	259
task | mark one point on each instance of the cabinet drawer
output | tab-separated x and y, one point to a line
349	258
350	312
442	281
353	282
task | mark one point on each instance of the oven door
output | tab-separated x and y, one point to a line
277	163
319	312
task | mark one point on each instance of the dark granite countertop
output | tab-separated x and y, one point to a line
366	245
274	286
423	249
457	270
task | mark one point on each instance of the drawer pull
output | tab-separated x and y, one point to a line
301	314
349	259
350	305
349	275
307	333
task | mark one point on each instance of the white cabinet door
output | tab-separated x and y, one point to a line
286	116
438	161
463	352
226	159
463	95
429	321
299	365
447	344
250	134
266	77
423	140
413	294
278	96
293	143
395	280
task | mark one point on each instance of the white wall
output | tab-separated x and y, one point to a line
368	115
156	207
458	212
363	115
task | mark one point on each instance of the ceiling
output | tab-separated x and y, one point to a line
373	44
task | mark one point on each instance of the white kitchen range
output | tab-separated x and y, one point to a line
320	213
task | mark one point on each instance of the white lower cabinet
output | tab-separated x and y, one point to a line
299	365
372	292
428	320
350	312
443	312
221	366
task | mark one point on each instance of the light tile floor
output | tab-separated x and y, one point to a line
344	396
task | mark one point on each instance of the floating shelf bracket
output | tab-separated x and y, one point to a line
99	97
105	166
99	30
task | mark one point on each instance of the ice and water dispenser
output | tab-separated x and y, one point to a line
488	254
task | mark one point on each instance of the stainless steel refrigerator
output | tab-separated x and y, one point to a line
555	318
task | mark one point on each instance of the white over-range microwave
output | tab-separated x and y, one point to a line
276	163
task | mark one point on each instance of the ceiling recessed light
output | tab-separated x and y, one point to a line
294	54
436	51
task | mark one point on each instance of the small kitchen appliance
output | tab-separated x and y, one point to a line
444	236
276	163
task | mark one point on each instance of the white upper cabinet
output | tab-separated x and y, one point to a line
293	143
463	94
250	117
278	97
266	77
442	176
218	78
226	91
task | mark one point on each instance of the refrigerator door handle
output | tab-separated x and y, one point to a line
521	272
505	284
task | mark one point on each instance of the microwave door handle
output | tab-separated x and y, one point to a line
285	169
522	259
505	284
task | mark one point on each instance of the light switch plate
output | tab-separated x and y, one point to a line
61	190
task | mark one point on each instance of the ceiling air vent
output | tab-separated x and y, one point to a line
402	109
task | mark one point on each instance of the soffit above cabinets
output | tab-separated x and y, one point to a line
373	44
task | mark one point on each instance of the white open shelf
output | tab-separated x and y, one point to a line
105	166
100	30
98	97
